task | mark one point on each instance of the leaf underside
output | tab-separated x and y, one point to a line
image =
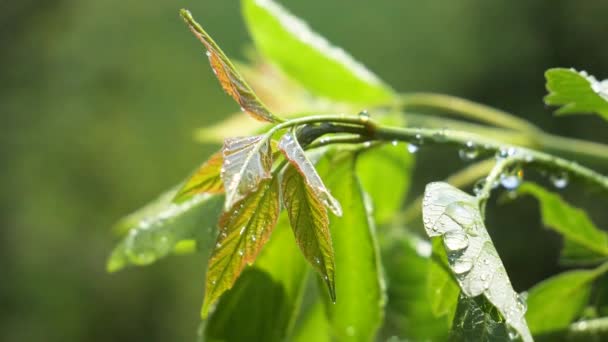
242	233
247	162
477	320
207	179
310	225
454	215
230	80
576	92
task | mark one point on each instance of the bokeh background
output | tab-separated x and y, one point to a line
99	101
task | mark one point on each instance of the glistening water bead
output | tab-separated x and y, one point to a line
470	151
511	180
559	180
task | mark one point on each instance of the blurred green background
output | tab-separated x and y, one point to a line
99	100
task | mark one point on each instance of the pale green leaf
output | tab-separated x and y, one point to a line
264	301
309	58
314	326
554	303
310	224
242	234
442	289
247	163
358	311
230	80
206	180
154	231
584	242
476	319
577	92
454	215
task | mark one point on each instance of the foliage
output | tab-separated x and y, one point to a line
257	282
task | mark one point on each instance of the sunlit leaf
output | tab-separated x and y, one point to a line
247	162
357	313
226	73
154	231
584	242
264	301
576	92
477	320
442	289
295	154
310	224
309	58
206	180
554	303
242	233
385	174
407	261
454	215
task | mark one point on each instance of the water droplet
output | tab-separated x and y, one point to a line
208	53
253	238
418	139
213	281
559	180
241	252
439	136
242	230
469	151
364	115
218	245
511	180
367	144
412	148
462	266
459	214
505	152
479	186
522	302
242	109
394	142
317	260
455	240
513	334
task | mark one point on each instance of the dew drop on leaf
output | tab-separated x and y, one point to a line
511	180
364	115
412	148
462	266
559	180
455	240
470	151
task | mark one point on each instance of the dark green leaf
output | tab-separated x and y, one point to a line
310	225
302	54
206	180
247	163
454	215
409	316
264	301
231	81
477	320
577	92
155	230
243	232
358	310
554	303
295	154
584	242
385	174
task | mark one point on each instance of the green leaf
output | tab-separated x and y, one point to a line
295	154
247	163
577	92
310	225
477	320
385	174
230	80
154	231
554	303
357	313
314	326
243	232
584	242
406	260
442	289
264	301
307	57
454	215
206	180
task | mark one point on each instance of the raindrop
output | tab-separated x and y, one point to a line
462	266
394	142
455	240
511	180
412	148
469	151
559	180
253	238
513	334
522	302
364	115
317	260
502	153
459	214
479	186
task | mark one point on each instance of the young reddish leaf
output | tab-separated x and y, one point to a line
231	81
206	179
243	232
295	154
247	162
310	225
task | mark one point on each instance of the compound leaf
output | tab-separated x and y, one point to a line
454	215
309	58
295	154
247	162
207	179
231	81
576	92
310	225
243	232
